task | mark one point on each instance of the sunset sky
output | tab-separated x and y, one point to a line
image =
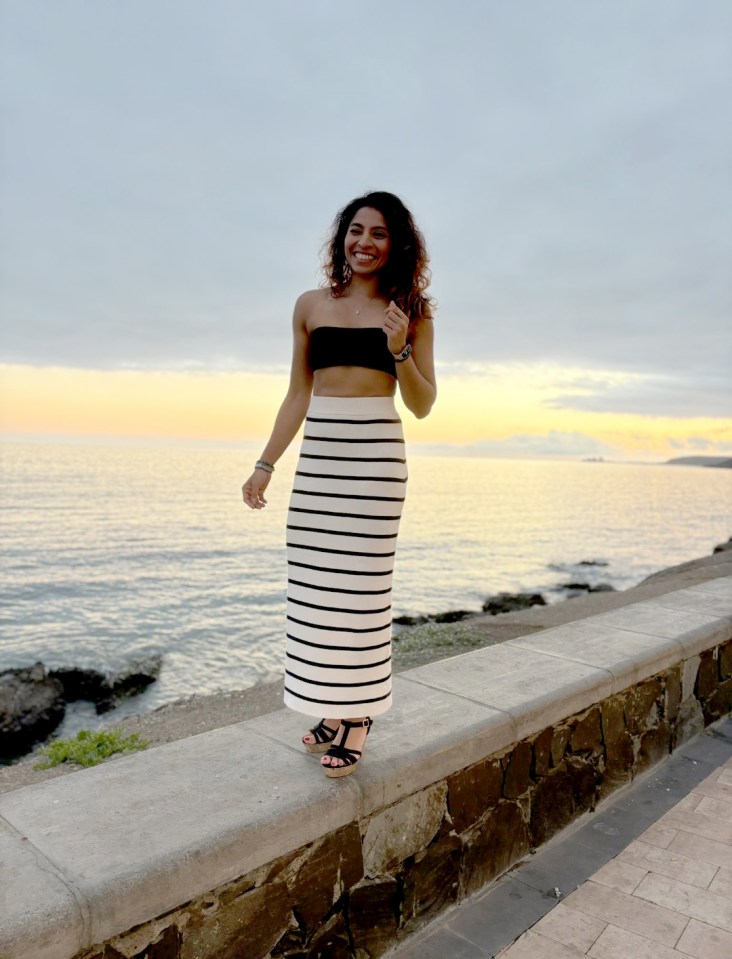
171	169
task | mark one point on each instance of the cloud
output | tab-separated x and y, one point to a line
603	390
654	395
702	443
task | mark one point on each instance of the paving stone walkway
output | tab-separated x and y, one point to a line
648	876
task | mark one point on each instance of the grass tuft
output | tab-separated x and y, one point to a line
88	748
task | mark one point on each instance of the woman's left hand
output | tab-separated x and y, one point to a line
396	326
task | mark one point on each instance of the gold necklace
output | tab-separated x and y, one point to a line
364	305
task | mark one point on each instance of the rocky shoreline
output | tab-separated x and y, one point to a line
33	699
437	638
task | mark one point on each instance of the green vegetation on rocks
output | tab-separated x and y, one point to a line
88	748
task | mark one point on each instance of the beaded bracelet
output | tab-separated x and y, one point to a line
264	465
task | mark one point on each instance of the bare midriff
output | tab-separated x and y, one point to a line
352	381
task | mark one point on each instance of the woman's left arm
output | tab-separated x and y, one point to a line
416	374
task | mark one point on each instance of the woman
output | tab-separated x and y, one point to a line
354	342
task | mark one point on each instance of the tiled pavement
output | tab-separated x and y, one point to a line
647	876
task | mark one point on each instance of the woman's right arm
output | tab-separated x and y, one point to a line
294	407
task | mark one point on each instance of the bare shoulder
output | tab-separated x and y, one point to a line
307	305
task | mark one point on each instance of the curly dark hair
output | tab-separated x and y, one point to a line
406	275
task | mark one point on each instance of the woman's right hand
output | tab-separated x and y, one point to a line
253	490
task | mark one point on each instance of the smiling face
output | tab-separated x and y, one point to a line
367	242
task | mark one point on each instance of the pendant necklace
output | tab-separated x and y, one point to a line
364	305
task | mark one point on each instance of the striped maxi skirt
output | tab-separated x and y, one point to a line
342	530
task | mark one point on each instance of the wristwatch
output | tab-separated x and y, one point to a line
406	352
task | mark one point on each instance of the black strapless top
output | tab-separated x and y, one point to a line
350	346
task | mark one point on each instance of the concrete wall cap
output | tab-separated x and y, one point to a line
629	657
719	587
139	835
142	834
534	691
37	906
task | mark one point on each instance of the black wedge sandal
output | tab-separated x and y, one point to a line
324	736
350	757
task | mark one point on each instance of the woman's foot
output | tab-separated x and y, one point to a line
319	738
343	756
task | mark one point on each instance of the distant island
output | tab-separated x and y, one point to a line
718	461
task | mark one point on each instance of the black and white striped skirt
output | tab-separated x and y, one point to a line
342	529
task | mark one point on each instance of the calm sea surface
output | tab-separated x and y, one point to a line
113	552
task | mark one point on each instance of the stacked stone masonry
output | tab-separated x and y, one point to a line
355	892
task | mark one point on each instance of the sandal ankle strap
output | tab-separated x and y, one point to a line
358	724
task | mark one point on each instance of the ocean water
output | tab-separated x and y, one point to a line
115	552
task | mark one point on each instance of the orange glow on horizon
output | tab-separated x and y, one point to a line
239	406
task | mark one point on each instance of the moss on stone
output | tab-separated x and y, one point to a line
88	748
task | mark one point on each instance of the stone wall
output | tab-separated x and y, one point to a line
356	891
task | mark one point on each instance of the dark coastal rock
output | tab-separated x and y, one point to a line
723	547
410	620
722	462
33	700
31	707
105	689
593	562
589	588
509	602
452	616
136	676
78	683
